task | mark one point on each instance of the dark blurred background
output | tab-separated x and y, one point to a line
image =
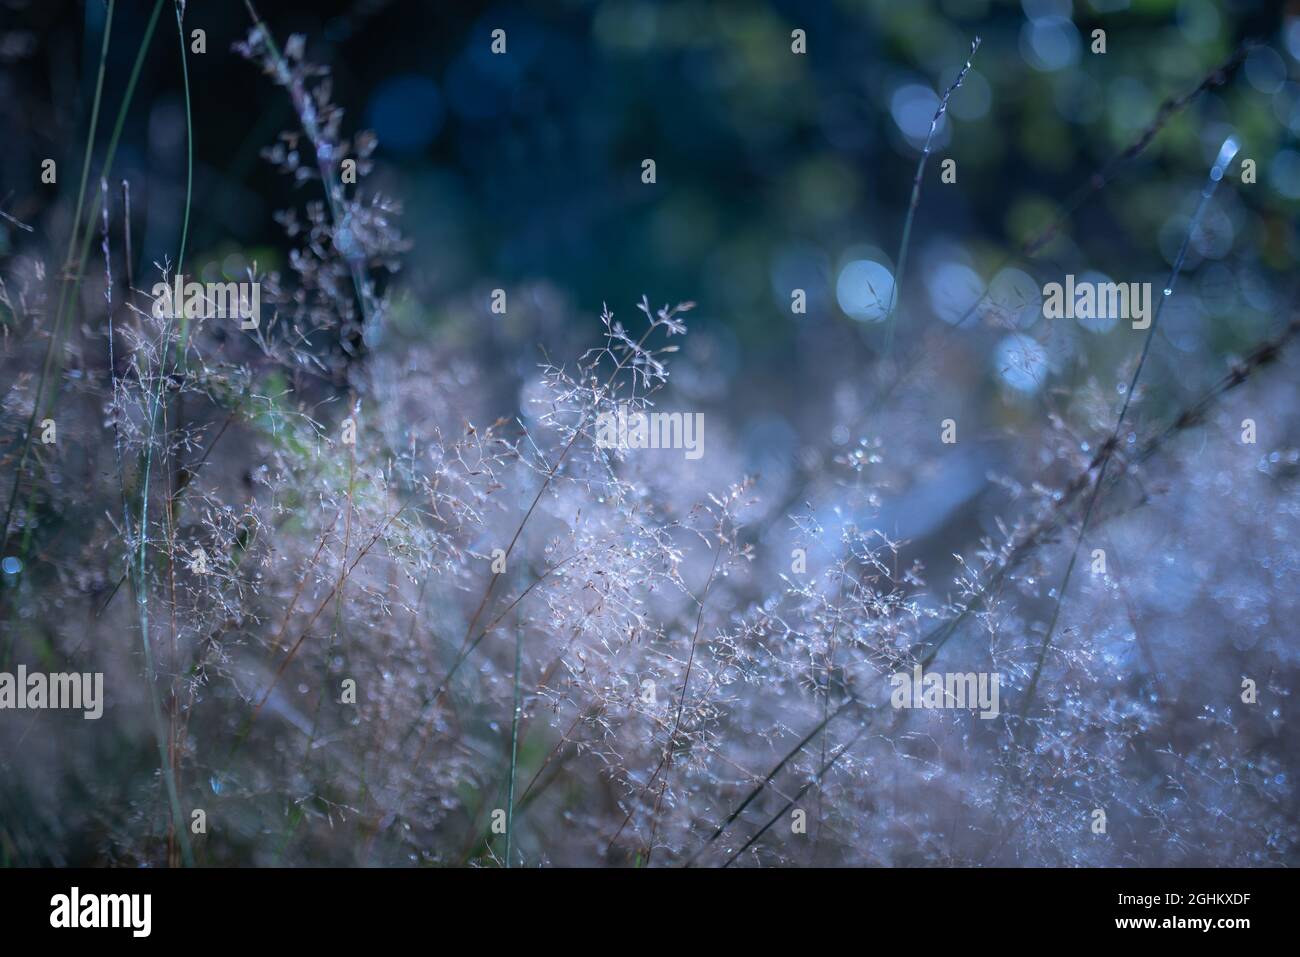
772	167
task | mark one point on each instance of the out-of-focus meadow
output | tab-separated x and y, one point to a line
435	622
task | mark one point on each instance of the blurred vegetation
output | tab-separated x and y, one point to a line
770	165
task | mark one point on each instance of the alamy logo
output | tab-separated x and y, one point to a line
651	430
39	690
947	690
210	300
102	910
1098	300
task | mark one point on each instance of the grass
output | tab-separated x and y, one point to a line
619	572
904	243
1226	154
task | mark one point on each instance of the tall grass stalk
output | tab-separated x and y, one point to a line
68	291
72	245
189	170
514	742
915	200
1226	154
142	607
